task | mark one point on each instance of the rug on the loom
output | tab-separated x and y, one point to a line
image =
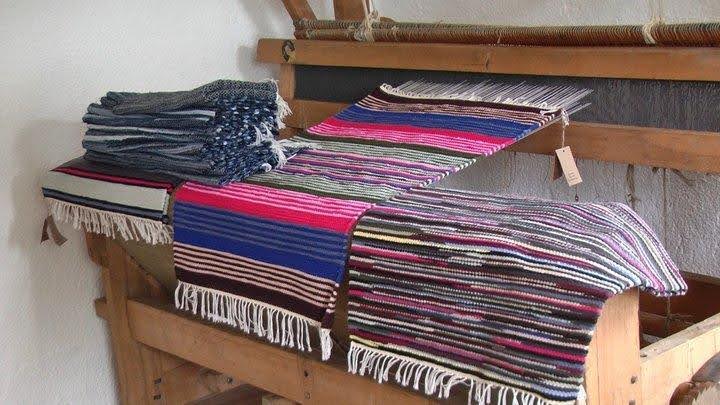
111	201
267	255
497	293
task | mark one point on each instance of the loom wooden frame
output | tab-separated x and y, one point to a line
658	147
166	357
163	356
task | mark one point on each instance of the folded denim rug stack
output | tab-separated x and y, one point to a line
221	132
497	293
267	255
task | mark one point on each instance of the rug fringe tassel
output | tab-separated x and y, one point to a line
110	224
550	98
283	108
253	317
435	379
325	343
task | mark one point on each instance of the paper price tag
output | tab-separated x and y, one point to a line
568	166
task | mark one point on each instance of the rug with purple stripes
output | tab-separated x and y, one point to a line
497	293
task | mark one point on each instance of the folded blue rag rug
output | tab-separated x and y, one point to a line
221	132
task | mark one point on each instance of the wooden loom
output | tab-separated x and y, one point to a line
166	357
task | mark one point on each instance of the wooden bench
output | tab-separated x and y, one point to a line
164	356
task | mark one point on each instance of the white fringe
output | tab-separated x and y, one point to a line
110	224
325	343
283	108
275	324
582	396
279	148
550	98
285	145
436	379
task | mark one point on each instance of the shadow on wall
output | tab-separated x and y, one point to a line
264	16
61	282
268	19
35	143
693	221
529	175
245	56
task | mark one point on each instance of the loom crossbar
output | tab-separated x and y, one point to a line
658	147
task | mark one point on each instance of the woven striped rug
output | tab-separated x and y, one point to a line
107	200
267	255
498	293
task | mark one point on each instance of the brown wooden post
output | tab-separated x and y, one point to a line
612	374
287	82
349	9
131	372
286	88
145	374
138	367
299	9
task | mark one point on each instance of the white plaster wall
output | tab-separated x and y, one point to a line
56	57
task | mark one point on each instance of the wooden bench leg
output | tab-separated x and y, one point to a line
612	370
147	375
129	365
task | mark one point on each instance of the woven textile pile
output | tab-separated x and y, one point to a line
221	132
141	146
446	287
267	255
498	293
